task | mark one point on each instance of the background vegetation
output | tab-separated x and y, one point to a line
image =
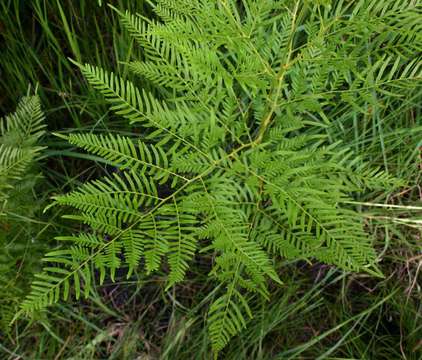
319	312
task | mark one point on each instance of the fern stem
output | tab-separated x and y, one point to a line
280	77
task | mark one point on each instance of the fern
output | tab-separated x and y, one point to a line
19	135
235	157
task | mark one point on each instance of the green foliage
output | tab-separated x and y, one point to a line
235	159
19	135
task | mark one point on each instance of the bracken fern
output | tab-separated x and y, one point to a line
234	158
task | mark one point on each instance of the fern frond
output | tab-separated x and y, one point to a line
160	74
25	126
126	154
181	241
19	133
19	151
126	99
227	316
120	198
134	245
